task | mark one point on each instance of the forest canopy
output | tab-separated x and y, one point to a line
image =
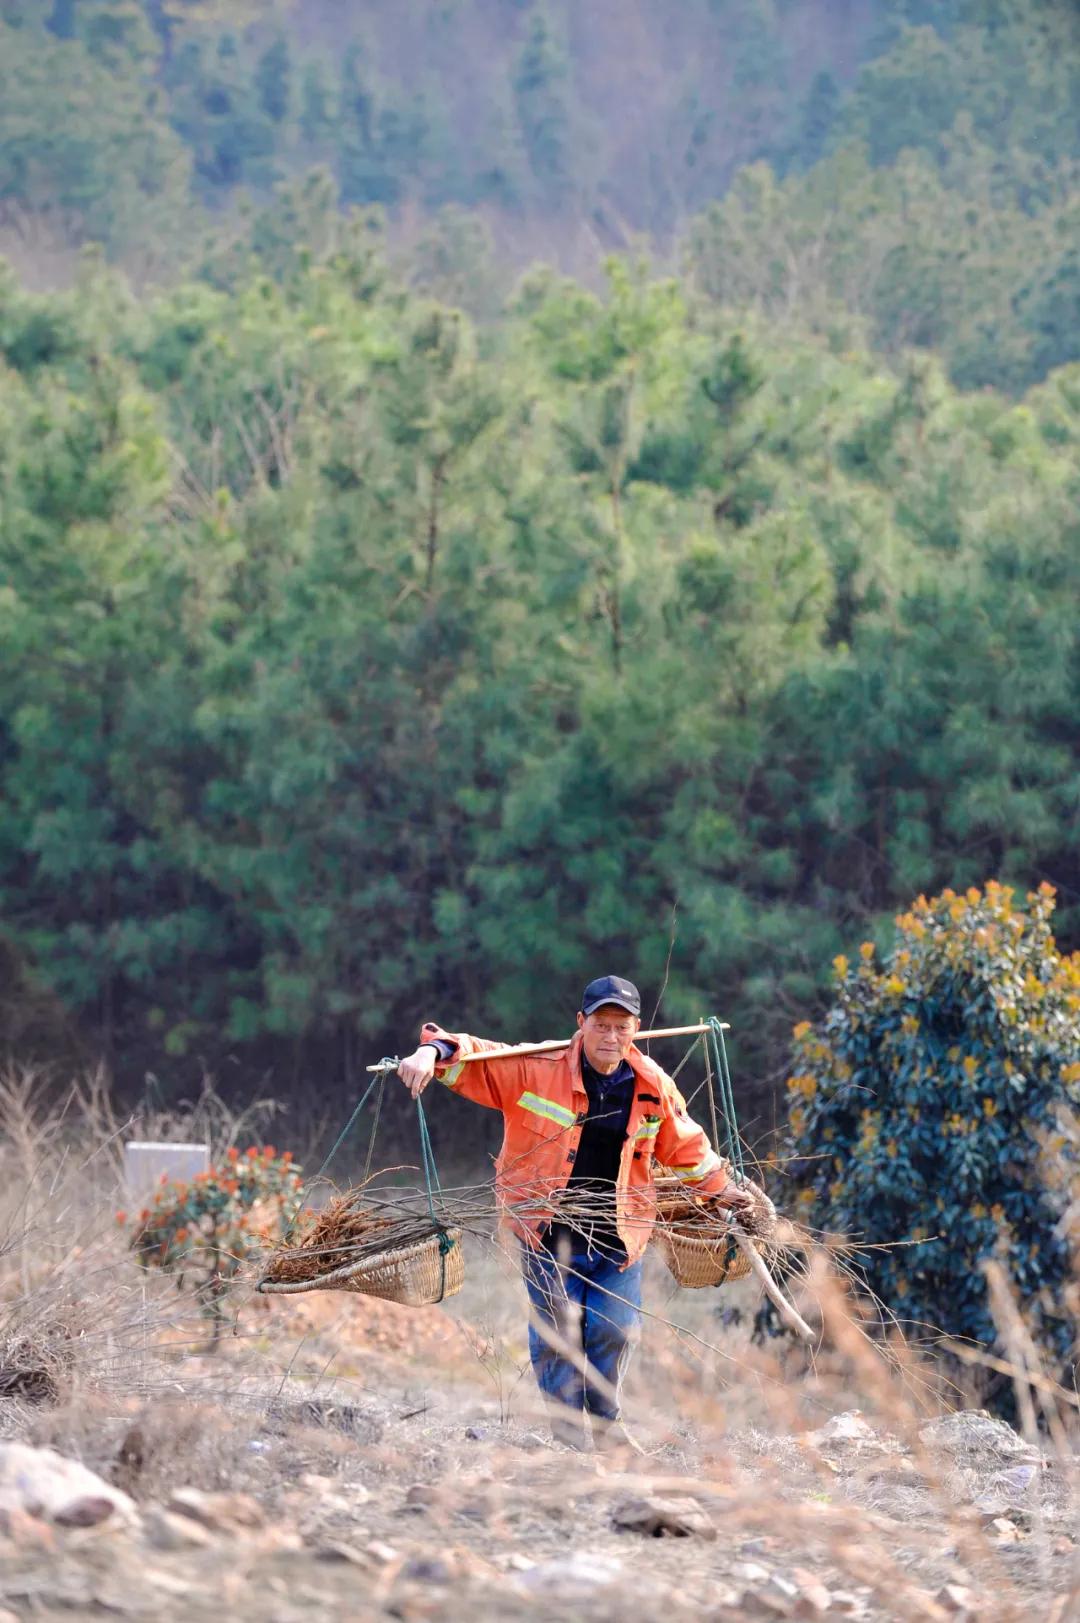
911	163
387	633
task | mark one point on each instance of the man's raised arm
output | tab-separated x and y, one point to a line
439	1055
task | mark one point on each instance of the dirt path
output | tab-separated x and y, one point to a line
397	1485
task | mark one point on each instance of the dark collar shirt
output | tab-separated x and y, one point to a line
596	1164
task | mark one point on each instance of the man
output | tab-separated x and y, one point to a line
585	1129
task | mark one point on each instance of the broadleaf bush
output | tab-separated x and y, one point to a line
933	1104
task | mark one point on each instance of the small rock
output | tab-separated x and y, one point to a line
220	1512
276	1541
1004	1531
384	1554
167	1531
430	1569
977	1435
476	1434
662	1518
814	1599
749	1572
520	1563
958	1599
339	1550
849	1429
1013	1484
43	1483
26	1531
844	1604
762	1603
576	1572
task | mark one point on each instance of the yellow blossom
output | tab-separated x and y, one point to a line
801	1030
804	1085
971	1065
866	951
840	966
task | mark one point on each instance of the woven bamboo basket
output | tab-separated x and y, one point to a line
418	1274
696	1251
695	1262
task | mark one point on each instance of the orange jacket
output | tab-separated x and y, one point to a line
543	1101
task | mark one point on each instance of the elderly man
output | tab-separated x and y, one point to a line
596	1120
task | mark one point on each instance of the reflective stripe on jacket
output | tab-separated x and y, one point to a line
543	1102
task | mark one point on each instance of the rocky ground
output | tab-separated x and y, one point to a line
341	1458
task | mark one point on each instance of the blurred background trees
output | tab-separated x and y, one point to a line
388	630
913	165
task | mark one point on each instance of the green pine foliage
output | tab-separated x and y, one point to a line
346	650
935	1106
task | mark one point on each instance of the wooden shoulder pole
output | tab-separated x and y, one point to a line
523	1050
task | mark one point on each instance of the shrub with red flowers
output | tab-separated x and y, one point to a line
204	1230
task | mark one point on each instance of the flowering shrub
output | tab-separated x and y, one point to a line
203	1230
933	1096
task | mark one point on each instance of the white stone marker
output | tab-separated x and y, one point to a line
144	1163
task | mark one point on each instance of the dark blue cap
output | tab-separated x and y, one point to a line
611	989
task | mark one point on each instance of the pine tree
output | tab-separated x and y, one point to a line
273	79
541	96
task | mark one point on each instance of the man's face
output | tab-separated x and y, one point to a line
608	1035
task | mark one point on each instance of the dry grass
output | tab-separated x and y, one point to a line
105	1362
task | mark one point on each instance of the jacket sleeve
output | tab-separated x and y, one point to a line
683	1148
495	1086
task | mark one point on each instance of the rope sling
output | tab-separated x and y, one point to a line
417	1259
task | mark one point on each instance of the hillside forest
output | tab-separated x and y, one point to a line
493	492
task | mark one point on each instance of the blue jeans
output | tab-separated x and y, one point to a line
594	1306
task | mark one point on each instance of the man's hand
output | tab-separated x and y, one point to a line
417	1070
740	1202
